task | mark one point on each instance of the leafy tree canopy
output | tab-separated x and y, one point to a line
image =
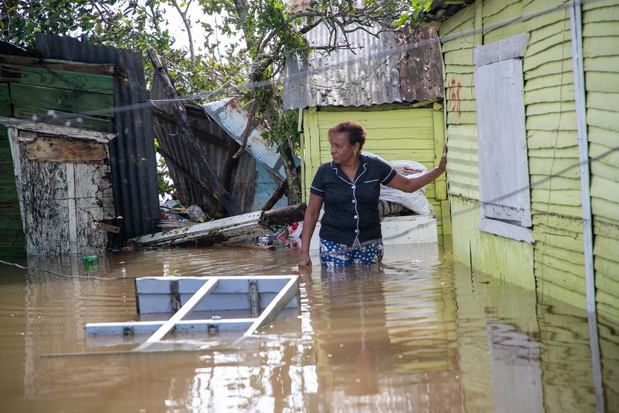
271	31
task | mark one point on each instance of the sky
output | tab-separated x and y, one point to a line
177	28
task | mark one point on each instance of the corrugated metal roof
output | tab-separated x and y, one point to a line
184	163
134	168
236	121
367	73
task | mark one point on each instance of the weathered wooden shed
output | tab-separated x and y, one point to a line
64	187
532	92
395	93
66	82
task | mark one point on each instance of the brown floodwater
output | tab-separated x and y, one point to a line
420	334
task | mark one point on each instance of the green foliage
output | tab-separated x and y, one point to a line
271	31
413	13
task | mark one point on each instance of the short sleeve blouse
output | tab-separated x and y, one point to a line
351	208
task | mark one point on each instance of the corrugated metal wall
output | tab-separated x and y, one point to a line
372	72
134	169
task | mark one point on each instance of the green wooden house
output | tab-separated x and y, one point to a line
532	124
514	164
63	77
35	87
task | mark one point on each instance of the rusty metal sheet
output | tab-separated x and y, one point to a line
379	69
421	68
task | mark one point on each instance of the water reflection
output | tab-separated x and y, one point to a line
417	334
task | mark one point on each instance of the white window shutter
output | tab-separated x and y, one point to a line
503	166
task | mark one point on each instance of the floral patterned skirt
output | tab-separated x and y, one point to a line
333	254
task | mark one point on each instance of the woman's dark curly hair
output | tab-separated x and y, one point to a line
356	133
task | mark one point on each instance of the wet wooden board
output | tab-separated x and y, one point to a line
149	327
155	293
167	326
159	294
231	229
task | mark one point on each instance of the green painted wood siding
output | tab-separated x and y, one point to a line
601	61
551	138
415	134
27	91
12	242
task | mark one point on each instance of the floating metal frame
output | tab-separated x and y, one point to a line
264	296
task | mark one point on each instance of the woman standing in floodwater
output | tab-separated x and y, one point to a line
349	187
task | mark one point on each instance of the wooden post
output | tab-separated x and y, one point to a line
216	186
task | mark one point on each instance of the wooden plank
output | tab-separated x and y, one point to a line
600	64
190	284
58	99
149	327
71	207
557	53
539	139
60	79
290	290
180	314
226	229
552	80
510	48
63	150
550	68
5	101
48	129
461	21
53	64
502	143
66	119
220	302
603	82
237	285
551	41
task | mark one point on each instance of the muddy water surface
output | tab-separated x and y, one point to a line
419	334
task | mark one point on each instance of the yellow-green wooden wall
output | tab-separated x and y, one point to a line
557	254
394	133
554	264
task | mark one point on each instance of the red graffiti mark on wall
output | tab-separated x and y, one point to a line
455	91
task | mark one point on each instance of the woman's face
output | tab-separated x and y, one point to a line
341	150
